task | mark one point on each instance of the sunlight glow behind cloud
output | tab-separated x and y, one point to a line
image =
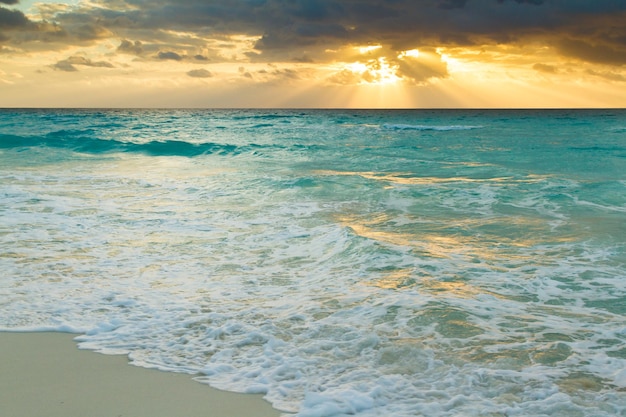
323	53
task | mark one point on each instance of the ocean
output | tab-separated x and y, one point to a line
340	262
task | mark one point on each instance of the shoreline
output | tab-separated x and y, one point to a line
46	374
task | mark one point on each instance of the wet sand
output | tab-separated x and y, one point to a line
46	375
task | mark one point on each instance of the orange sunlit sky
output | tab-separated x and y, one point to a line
313	53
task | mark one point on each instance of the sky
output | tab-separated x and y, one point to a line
313	53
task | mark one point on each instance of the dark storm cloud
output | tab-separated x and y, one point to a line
43	34
11	19
200	73
169	55
535	2
129	47
451	4
69	64
90	32
297	25
591	31
9	1
601	54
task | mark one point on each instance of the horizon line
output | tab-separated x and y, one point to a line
307	108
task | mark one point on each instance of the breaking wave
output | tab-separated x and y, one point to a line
442	128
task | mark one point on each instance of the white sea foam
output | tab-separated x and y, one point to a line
332	290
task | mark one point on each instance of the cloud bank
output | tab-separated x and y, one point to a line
297	45
287	29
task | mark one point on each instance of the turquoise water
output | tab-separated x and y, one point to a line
405	263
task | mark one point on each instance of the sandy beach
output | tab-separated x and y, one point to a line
46	375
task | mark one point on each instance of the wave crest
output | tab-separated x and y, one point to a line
80	141
443	128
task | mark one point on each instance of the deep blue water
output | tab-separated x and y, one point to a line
342	262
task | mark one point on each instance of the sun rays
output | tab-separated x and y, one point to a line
248	54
